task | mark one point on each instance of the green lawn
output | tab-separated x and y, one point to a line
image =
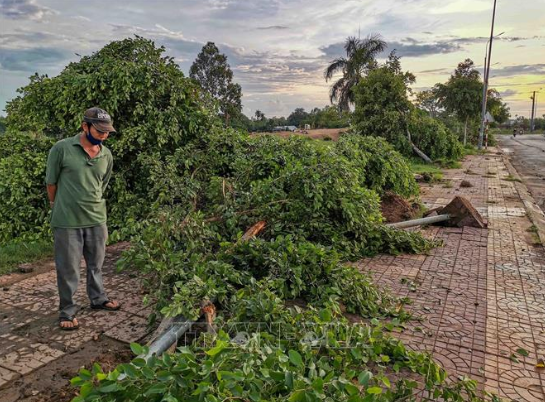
13	254
426	168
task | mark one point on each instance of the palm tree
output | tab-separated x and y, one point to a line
360	58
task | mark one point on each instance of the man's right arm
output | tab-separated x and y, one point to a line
54	161
51	191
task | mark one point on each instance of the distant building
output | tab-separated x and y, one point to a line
285	128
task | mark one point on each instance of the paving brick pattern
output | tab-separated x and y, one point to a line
29	336
482	295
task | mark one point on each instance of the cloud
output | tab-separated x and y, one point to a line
434	71
23	9
462	6
521	69
412	48
274	27
508	93
31	60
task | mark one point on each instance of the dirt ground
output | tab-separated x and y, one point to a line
396	209
317	134
38	267
51	383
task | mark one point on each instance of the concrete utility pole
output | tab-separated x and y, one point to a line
486	74
533	97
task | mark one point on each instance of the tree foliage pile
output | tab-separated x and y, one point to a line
187	190
24	206
155	109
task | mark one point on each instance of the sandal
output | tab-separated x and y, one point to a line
103	306
68	319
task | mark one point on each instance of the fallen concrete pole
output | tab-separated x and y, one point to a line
422	221
177	327
459	213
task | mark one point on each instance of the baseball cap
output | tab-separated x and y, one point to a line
99	118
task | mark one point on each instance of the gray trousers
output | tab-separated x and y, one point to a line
70	245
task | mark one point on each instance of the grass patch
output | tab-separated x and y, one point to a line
448	184
535	236
449	163
426	169
511	178
13	254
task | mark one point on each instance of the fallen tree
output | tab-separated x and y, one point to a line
186	190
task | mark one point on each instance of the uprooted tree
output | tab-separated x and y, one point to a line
383	109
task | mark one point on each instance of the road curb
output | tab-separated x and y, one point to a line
533	211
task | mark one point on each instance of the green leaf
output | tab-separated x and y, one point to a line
85	374
220	345
522	352
288	378
137	349
364	377
374	390
298	396
108	388
295	358
159	388
351	389
77	381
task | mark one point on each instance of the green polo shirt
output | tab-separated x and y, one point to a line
80	181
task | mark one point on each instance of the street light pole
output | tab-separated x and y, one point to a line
533	111
487	72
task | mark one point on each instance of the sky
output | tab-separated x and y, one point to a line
278	49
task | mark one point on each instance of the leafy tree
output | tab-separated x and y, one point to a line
360	59
328	117
383	109
497	108
297	116
427	101
259	115
462	94
211	70
2	124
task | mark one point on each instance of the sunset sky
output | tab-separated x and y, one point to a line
278	49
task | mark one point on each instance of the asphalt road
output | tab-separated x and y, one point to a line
527	154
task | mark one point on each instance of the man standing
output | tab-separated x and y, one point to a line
78	171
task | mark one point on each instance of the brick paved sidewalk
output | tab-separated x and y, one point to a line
482	295
29	335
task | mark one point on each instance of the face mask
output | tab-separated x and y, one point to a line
92	139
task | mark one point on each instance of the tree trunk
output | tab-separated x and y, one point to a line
465	131
416	150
